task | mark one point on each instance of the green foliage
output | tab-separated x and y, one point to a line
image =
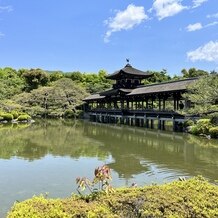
10	83
63	95
158	77
96	82
214	118
15	114
192	72
202	127
194	130
192	198
24	117
56	75
92	82
35	78
213	131
9	105
7	116
69	114
188	123
204	94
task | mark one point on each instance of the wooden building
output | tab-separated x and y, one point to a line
131	102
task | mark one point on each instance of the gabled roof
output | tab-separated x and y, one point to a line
128	69
171	86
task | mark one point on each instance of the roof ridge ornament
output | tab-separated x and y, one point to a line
128	64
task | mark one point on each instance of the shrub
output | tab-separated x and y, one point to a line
15	114
194	130
188	123
69	113
214	118
203	126
24	117
192	198
7	116
214	132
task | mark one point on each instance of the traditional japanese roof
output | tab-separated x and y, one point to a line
129	70
93	97
171	86
114	91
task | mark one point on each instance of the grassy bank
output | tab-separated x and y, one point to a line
192	198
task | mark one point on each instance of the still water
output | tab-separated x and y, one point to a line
47	157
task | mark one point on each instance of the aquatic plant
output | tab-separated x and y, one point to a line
102	176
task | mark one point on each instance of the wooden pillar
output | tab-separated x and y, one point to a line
127	104
159	103
177	104
121	104
152	103
164	103
146	103
152	124
174	102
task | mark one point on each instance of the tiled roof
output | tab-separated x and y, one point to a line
128	69
178	85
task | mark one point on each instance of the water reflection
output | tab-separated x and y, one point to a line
132	149
48	156
55	137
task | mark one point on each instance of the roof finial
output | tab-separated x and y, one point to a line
127	65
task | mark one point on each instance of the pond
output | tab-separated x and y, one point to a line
48	156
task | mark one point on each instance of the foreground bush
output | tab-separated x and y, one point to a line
24	117
192	198
205	127
214	132
7	116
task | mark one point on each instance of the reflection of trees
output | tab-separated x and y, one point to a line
54	137
132	149
129	146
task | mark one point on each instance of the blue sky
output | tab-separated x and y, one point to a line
87	36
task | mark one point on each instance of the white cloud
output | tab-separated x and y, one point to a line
212	15
124	20
198	3
212	24
1	35
167	8
194	27
6	8
198	26
207	52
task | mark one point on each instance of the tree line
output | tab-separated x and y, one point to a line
56	93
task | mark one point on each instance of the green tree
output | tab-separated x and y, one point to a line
63	95
193	72
35	78
204	94
158	77
56	75
10	83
